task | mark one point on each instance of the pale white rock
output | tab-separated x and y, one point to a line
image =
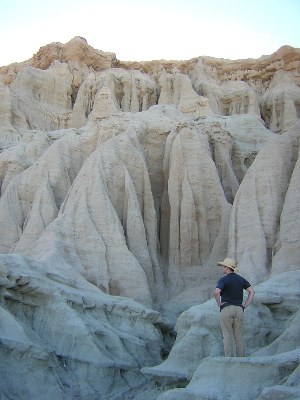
286	250
52	175
206	83
255	218
67	330
238	97
9	135
177	89
134	179
188	154
212	377
42	99
230	97
29	149
249	137
136	91
84	102
129	91
271	339
115	204
104	106
235	142
138	164
281	102
200	157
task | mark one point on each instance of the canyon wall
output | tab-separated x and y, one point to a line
122	184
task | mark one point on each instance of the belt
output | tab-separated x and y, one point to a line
228	304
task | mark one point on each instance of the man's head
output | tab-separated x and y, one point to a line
229	265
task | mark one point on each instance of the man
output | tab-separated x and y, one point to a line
229	297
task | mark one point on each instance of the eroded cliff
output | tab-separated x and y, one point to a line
122	184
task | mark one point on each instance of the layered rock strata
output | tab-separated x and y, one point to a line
121	186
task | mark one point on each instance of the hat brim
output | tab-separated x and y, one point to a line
221	264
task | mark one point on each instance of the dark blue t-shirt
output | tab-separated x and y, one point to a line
232	286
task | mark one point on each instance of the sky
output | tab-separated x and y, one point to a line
138	30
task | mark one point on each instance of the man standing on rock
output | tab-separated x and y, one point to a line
229	297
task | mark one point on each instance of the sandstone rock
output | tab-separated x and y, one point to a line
77	49
42	98
137	200
177	89
9	135
104	106
191	240
89	343
271	337
129	91
238	98
288	238
125	180
255	223
281	102
228	375
24	154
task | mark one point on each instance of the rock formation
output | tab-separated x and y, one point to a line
271	368
122	184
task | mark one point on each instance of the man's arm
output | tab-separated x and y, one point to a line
217	296
249	298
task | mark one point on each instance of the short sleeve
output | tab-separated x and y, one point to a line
220	284
246	284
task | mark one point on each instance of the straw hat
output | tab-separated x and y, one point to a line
228	262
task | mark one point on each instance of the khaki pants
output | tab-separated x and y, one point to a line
232	328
